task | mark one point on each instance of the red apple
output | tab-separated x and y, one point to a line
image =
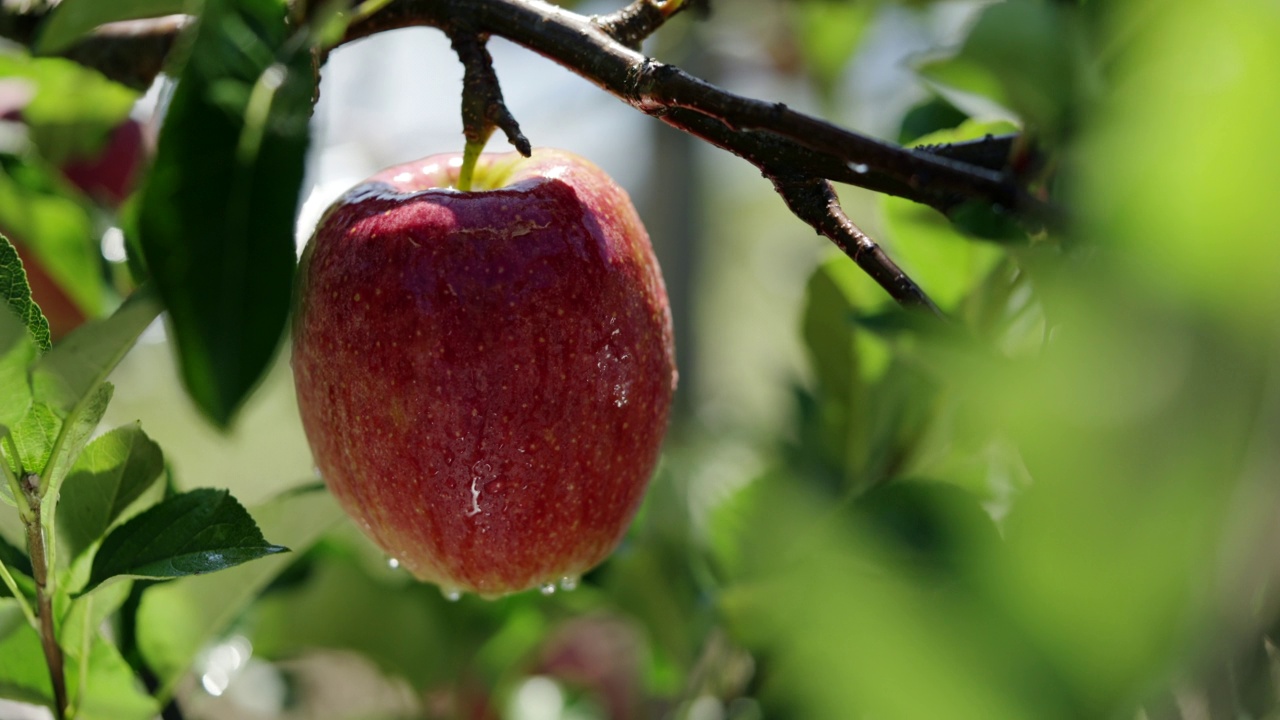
110	175
485	376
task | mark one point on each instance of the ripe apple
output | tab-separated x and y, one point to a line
484	376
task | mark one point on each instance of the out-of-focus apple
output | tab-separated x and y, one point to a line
485	376
111	174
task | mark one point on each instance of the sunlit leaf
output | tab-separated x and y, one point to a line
16	292
112	471
81	362
33	438
23	674
17	350
73	109
75	432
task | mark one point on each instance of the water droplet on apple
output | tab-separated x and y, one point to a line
393	563
568	583
547	589
620	395
859	168
451	594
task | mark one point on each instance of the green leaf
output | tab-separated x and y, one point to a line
176	620
112	690
830	32
216	222
110	474
72	19
1021	54
74	108
68	374
16	291
23	675
929	247
16	353
33	437
75	432
197	532
19	566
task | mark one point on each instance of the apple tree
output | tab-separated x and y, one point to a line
1016	454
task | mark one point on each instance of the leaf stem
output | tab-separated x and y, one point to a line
44	599
17	595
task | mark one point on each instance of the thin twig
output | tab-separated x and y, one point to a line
483	108
814	201
637	21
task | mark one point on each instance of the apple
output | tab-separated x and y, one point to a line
111	174
484	377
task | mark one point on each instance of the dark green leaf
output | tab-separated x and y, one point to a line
14	558
110	474
81	362
72	19
19	566
16	291
981	220
16	353
1023	55
928	117
216	222
177	620
198	532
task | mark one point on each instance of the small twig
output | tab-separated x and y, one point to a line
814	201
44	601
483	108
637	21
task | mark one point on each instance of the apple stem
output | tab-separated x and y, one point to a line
470	154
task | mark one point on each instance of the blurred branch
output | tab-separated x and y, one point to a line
132	53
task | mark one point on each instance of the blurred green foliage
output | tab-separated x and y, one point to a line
1059	503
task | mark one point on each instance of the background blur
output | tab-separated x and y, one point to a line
1068	509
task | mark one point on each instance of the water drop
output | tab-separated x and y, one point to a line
859	168
568	583
451	594
547	589
393	563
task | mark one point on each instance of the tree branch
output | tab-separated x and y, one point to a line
792	149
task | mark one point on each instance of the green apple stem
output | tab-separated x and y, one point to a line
470	154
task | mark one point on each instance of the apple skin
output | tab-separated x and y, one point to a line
485	377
